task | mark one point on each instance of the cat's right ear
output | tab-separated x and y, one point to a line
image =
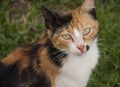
48	16
54	20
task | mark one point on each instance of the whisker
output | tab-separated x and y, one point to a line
57	57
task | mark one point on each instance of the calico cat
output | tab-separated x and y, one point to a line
64	56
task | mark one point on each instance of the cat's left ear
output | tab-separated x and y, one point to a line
88	6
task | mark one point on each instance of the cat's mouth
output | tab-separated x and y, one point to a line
77	53
80	53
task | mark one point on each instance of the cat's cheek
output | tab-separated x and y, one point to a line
61	45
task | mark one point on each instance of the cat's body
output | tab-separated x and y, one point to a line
64	56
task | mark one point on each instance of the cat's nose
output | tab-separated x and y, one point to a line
81	48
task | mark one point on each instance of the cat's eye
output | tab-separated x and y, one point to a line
86	31
67	36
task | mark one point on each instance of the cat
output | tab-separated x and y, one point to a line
64	56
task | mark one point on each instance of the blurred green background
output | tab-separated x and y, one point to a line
21	23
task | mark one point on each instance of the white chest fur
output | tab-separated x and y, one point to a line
76	70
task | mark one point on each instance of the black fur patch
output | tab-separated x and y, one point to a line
53	20
56	55
30	78
93	13
8	75
33	51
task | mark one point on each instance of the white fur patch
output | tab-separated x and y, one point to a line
76	33
77	69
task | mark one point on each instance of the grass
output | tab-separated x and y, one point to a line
21	23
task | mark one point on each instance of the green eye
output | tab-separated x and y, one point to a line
67	36
86	31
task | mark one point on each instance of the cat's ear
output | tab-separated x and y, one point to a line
88	6
49	17
53	20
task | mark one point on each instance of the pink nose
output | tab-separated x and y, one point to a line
81	48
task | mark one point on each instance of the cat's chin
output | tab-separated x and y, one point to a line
79	53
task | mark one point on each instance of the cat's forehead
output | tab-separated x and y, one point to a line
81	21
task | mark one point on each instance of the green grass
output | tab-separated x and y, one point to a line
21	24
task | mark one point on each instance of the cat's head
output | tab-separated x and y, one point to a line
75	31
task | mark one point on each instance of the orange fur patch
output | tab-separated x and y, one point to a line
46	66
43	38
18	57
